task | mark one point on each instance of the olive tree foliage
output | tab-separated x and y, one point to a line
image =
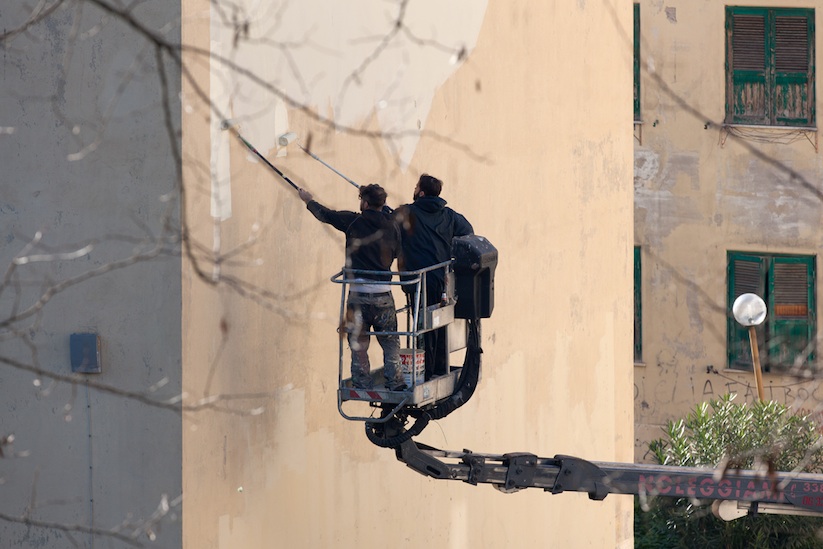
764	436
92	246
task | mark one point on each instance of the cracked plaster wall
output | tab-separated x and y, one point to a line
698	194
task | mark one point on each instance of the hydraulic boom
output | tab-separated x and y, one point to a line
795	493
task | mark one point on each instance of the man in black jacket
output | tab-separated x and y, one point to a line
427	227
372	243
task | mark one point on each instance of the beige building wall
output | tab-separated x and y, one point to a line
528	126
701	191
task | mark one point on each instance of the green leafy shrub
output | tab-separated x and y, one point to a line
723	434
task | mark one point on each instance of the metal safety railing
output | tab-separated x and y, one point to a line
419	320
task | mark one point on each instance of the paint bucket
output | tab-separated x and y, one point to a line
413	364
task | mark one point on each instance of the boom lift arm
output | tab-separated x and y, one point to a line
754	491
795	493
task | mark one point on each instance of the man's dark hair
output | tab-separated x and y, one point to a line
374	195
431	186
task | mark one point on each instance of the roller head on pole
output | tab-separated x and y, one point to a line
286	138
226	124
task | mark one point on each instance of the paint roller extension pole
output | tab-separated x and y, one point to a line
228	126
287	138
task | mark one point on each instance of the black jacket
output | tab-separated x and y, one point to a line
372	239
427	227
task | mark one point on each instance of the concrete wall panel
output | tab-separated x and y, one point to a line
85	158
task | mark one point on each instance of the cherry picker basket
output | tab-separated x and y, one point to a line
419	319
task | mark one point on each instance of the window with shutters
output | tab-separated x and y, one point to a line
770	66
638	326
637	62
786	283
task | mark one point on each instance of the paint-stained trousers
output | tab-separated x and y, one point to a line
366	311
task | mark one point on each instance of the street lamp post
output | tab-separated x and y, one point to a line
750	310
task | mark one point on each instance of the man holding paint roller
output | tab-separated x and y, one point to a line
372	243
427	227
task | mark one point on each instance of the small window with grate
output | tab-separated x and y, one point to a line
787	285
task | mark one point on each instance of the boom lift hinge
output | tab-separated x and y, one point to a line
579	475
521	468
409	453
476	465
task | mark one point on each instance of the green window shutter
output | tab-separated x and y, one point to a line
747	274
638	326
793	67
637	61
748	97
770	66
791	307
